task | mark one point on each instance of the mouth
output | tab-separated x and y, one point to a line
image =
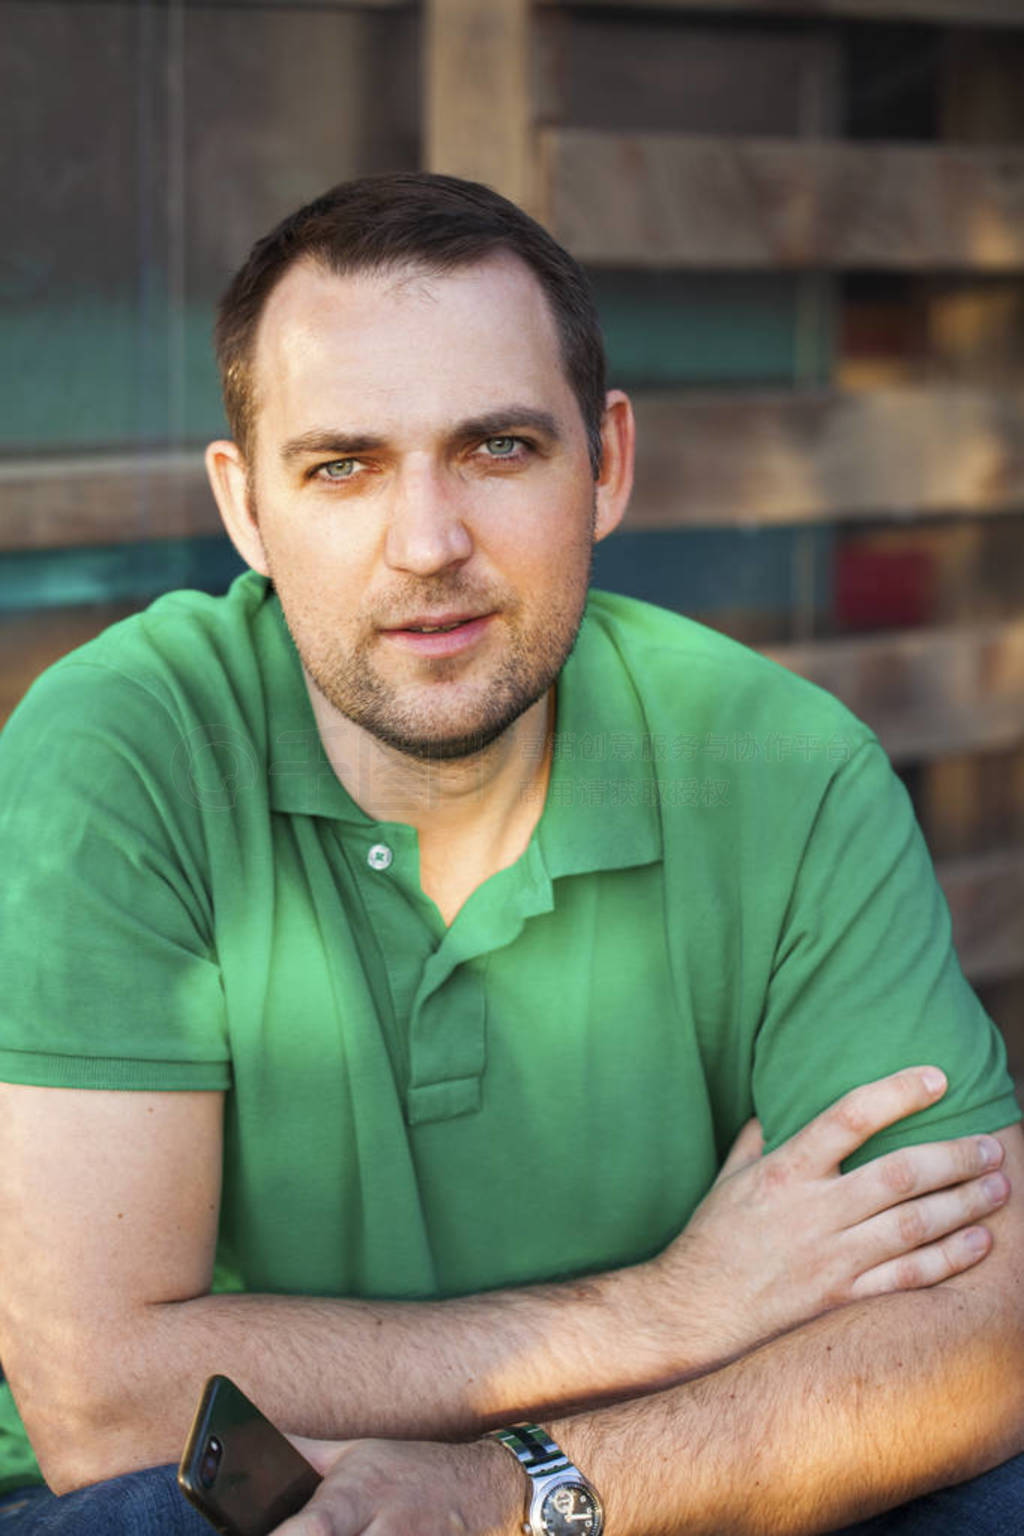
441	634
433	629
431	623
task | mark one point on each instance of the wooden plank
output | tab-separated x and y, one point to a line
971	803
296	5
981	98
621	73
804	457
104	499
29	642
658	200
927	693
986	904
974	13
477	98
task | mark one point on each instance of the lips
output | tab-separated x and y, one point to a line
432	624
438	634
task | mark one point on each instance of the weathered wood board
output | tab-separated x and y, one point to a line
661	199
477	100
803	457
104	499
999	13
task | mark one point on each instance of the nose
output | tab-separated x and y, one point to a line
427	528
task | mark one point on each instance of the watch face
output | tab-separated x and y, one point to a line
570	1510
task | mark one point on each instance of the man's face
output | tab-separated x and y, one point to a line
423	495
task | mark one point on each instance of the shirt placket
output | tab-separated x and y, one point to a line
448	1022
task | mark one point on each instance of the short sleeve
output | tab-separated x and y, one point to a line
110	978
865	979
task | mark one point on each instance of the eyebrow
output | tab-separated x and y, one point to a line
323	440
345	445
497	423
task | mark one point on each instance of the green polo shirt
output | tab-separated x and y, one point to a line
726	908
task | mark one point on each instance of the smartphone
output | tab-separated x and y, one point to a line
238	1469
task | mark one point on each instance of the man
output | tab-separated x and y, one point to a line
442	981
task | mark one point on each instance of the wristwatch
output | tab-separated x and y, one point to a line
559	1500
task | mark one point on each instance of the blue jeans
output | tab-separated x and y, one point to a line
149	1504
141	1504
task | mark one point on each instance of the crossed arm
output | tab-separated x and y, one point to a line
853	1413
106	1331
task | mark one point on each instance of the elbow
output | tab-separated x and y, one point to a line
71	1447
74	1423
67	1467
74	1451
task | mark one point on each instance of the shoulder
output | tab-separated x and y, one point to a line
691	678
145	700
185	655
181	643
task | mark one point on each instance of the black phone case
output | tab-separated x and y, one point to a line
260	1478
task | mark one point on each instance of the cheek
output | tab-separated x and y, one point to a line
549	539
327	567
321	601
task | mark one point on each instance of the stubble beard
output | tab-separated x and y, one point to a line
439	729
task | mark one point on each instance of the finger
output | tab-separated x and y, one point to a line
326	1514
321	1454
898	1176
846	1125
309	1523
747	1148
925	1266
918	1223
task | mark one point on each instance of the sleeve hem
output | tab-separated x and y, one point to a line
42	1070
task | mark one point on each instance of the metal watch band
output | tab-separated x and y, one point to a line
535	1451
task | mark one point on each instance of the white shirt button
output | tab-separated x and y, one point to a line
379	856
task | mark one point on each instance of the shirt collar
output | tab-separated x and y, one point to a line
300	778
601	810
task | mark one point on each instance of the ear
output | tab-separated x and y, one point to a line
614	483
228	475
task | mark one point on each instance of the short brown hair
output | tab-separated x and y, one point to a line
415	218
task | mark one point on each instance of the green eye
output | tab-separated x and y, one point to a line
502	447
338	469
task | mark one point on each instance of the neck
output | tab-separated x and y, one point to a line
474	815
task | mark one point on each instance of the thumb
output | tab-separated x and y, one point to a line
321	1454
747	1148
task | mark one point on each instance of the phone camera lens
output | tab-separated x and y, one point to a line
210	1462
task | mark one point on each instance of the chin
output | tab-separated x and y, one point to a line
454	718
461	740
442	749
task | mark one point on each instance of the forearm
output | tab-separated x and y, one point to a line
442	1369
122	1396
855	1413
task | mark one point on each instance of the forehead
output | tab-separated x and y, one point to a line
406	346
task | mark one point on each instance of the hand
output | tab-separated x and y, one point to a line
410	1488
782	1238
